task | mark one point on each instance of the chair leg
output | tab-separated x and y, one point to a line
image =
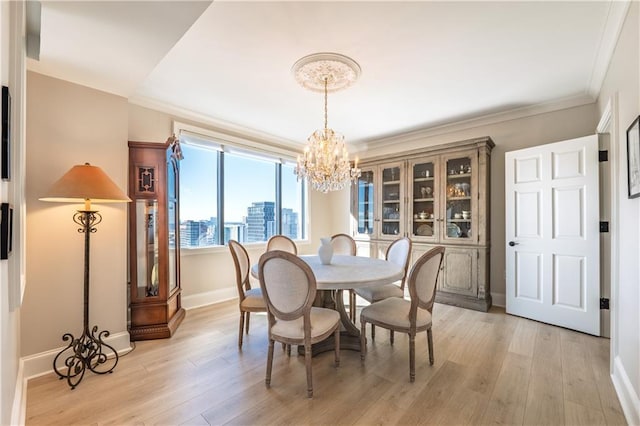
241	329
307	363
412	357
430	342
336	340
373	332
267	380
391	336
288	349
247	322
363	339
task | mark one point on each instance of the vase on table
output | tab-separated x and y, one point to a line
325	252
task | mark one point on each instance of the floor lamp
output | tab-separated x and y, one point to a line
85	183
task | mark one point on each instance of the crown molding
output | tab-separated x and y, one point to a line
456	126
610	33
216	124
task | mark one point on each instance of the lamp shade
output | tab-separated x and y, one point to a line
85	183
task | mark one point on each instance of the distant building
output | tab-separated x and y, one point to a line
261	221
290	223
196	233
235	231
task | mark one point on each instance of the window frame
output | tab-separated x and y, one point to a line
232	145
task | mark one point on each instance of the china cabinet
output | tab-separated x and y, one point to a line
154	241
435	196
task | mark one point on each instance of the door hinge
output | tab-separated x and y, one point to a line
603	156
604	226
604	303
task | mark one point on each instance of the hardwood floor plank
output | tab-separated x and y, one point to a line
576	414
509	396
489	368
579	382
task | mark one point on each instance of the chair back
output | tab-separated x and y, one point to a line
398	253
343	244
288	286
423	279
282	242
241	262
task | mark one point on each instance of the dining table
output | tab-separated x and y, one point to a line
345	273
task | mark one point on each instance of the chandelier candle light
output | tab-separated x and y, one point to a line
325	162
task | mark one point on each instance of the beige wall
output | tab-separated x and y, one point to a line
67	125
622	82
508	136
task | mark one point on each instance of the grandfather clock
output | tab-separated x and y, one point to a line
154	239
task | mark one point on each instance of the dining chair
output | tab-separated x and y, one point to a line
250	299
282	242
344	244
398	252
289	288
408	316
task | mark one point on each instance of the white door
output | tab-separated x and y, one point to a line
552	234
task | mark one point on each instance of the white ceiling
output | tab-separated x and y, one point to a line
424	64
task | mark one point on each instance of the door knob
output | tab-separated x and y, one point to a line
512	243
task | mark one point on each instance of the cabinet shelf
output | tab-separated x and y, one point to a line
422	200
422	179
394	201
458	198
459	176
391	182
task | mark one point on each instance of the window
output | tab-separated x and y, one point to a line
227	193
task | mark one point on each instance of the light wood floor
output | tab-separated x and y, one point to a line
489	369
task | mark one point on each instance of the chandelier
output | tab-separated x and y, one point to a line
325	161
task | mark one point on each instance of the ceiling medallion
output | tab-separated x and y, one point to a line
325	161
340	71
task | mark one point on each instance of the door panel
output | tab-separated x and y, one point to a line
460	271
552	231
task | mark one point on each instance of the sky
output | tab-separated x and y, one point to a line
247	180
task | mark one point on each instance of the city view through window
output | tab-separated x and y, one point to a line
248	199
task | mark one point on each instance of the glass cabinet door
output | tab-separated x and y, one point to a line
172	219
424	207
392	201
459	206
147	248
364	203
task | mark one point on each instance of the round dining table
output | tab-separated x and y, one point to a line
345	273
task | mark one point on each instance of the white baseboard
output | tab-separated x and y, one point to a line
42	363
19	408
499	299
209	298
629	399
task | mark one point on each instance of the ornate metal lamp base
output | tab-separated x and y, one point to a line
89	351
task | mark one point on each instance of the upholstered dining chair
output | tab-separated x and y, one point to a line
282	242
289	288
398	252
408	316
250	299
344	244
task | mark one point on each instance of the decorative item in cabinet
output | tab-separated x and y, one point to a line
364	198
459	201
424	199
391	200
154	239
